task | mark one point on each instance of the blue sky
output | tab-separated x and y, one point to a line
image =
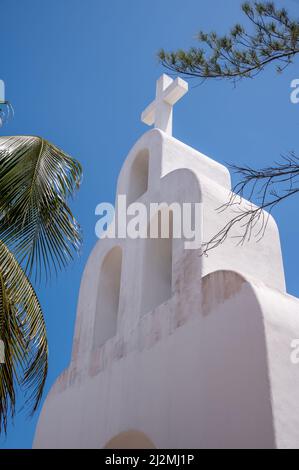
79	73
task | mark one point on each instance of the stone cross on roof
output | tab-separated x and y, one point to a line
159	112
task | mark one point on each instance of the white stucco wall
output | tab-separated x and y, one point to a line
210	367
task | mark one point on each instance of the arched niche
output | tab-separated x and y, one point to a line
138	179
157	264
130	440
108	297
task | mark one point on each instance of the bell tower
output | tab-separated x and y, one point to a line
173	349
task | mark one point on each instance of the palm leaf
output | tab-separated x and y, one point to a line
23	332
36	179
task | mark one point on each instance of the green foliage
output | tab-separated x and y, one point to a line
36	178
274	37
39	232
23	333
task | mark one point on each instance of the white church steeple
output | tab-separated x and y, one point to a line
173	349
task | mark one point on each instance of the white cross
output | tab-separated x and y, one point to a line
159	112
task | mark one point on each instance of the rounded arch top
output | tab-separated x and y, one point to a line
138	176
130	440
142	166
155	155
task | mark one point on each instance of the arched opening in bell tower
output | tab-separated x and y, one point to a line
108	297
138	179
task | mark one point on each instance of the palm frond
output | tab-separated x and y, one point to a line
36	179
23	332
